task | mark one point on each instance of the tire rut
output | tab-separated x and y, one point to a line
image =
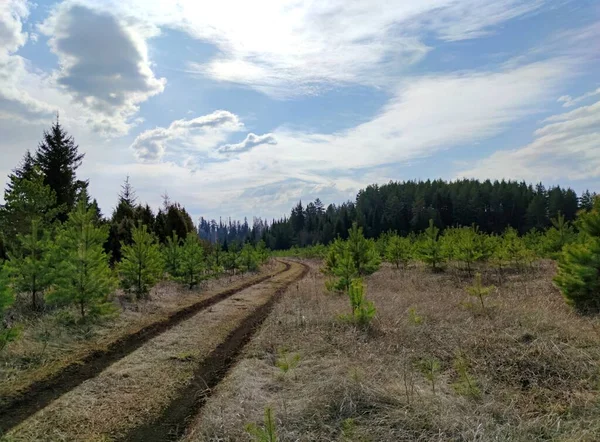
174	420
41	393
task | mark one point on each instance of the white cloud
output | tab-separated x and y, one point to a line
569	101
12	15
198	135
104	64
428	114
250	142
286	48
567	146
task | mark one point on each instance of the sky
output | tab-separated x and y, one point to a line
238	108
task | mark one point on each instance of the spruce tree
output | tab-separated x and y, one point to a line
192	259
83	275
59	158
141	266
30	264
579	264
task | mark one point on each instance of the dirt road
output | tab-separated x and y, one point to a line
149	392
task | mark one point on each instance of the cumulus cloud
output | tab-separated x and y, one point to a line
12	14
197	135
104	64
251	141
15	101
566	146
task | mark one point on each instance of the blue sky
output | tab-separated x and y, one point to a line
242	108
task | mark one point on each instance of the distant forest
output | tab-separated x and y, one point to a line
406	207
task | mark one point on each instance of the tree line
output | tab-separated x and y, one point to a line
58	249
406	207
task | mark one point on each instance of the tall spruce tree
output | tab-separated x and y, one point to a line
83	276
58	157
141	266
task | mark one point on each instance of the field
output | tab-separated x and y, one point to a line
434	365
524	369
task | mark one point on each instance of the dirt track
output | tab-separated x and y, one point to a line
147	386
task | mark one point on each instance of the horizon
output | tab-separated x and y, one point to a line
244	114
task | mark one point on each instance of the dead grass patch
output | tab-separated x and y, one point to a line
535	363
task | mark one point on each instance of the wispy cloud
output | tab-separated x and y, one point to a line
567	146
250	142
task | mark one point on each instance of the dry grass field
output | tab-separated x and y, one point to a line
433	366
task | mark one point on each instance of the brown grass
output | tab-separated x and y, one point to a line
135	389
535	363
48	343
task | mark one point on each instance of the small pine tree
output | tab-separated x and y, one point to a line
363	251
171	252
430	367
262	252
479	291
468	246
363	311
556	237
192	259
7	298
26	199
430	247
514	247
340	265
399	251
83	275
30	267
579	264
266	434
248	258
142	265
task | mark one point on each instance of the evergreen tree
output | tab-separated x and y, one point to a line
339	264
556	237
26	199
30	266
83	275
59	158
399	251
172	255
7	298
468	245
430	247
364	255
192	259
579	264
248	258
142	265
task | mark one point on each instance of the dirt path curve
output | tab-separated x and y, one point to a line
151	393
42	393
